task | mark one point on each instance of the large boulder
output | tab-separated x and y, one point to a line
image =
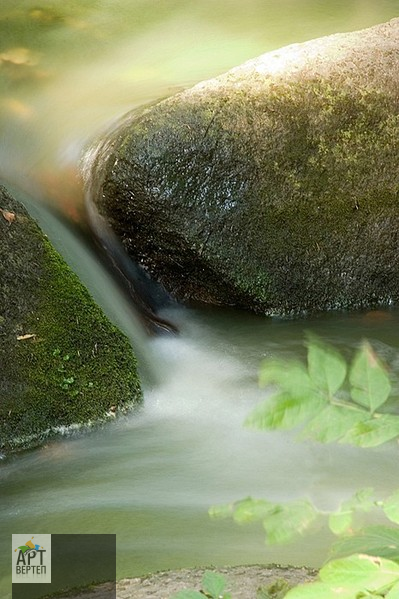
273	187
62	363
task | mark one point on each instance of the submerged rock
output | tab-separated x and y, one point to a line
273	187
63	364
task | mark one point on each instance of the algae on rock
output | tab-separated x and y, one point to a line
273	187
62	362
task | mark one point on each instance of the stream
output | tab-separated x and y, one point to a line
67	71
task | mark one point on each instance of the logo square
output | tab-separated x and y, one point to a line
31	558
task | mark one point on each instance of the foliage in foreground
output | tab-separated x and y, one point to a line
334	402
354	577
284	522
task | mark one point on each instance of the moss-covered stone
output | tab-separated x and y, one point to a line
62	362
274	187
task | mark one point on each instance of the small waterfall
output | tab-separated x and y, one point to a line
84	262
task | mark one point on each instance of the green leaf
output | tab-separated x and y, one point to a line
187	594
327	367
393	593
391	507
290	376
332	423
251	510
364	572
213	583
373	431
370	382
282	411
286	522
382	541
319	590
340	521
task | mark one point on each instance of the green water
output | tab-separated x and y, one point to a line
67	70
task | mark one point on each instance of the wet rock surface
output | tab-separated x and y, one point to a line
273	187
63	364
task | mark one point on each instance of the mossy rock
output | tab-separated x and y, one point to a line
273	187
62	362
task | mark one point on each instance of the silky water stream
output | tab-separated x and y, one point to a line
66	71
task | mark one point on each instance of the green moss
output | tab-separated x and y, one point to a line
77	368
276	196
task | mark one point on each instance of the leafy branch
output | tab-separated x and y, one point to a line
367	562
283	522
332	401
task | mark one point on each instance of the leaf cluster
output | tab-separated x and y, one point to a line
358	576
284	522
365	564
331	400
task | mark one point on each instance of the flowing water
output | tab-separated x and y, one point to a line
67	70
